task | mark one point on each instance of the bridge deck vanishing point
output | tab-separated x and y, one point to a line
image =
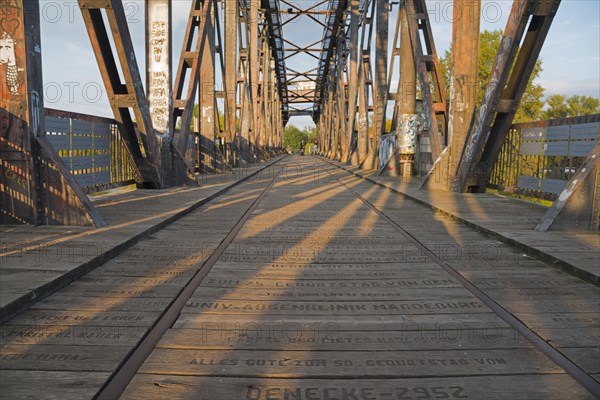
305	282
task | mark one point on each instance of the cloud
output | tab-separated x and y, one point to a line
571	87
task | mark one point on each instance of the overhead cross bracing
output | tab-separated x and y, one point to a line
277	42
312	28
337	25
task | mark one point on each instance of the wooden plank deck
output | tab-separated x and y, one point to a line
317	297
510	220
36	261
77	337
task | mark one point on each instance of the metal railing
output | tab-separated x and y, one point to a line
538	158
92	149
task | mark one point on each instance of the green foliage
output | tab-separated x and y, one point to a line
562	107
196	113
388	125
312	134
294	138
532	102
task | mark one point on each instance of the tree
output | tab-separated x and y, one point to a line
562	107
294	138
530	108
388	125
557	107
583	105
311	134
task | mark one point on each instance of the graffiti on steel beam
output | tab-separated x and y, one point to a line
158	68
482	113
9	24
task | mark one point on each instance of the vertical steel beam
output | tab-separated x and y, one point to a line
434	102
331	147
273	93
405	60
245	108
231	16
463	92
264	53
352	73
340	95
242	104
408	76
381	65
35	186
463	84
365	86
207	114
21	112
508	80
332	94
254	64
184	94
128	95
363	110
159	78
158	64
266	78
260	141
405	97
407	84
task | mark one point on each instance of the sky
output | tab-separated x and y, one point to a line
72	81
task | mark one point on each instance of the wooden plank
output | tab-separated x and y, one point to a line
409	271
109	318
522	283
328	364
93	334
98	303
561	338
61	358
419	270
342	323
331	284
127	280
135	268
516	387
70	385
583	293
586	358
210	306
560	320
317	294
295	338
104	291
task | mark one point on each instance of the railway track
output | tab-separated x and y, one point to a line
310	246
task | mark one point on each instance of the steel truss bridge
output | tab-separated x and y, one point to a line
176	250
241	48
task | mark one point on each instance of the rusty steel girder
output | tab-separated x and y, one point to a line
426	63
35	185
528	23
128	95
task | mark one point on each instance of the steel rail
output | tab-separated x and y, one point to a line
118	382
572	369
